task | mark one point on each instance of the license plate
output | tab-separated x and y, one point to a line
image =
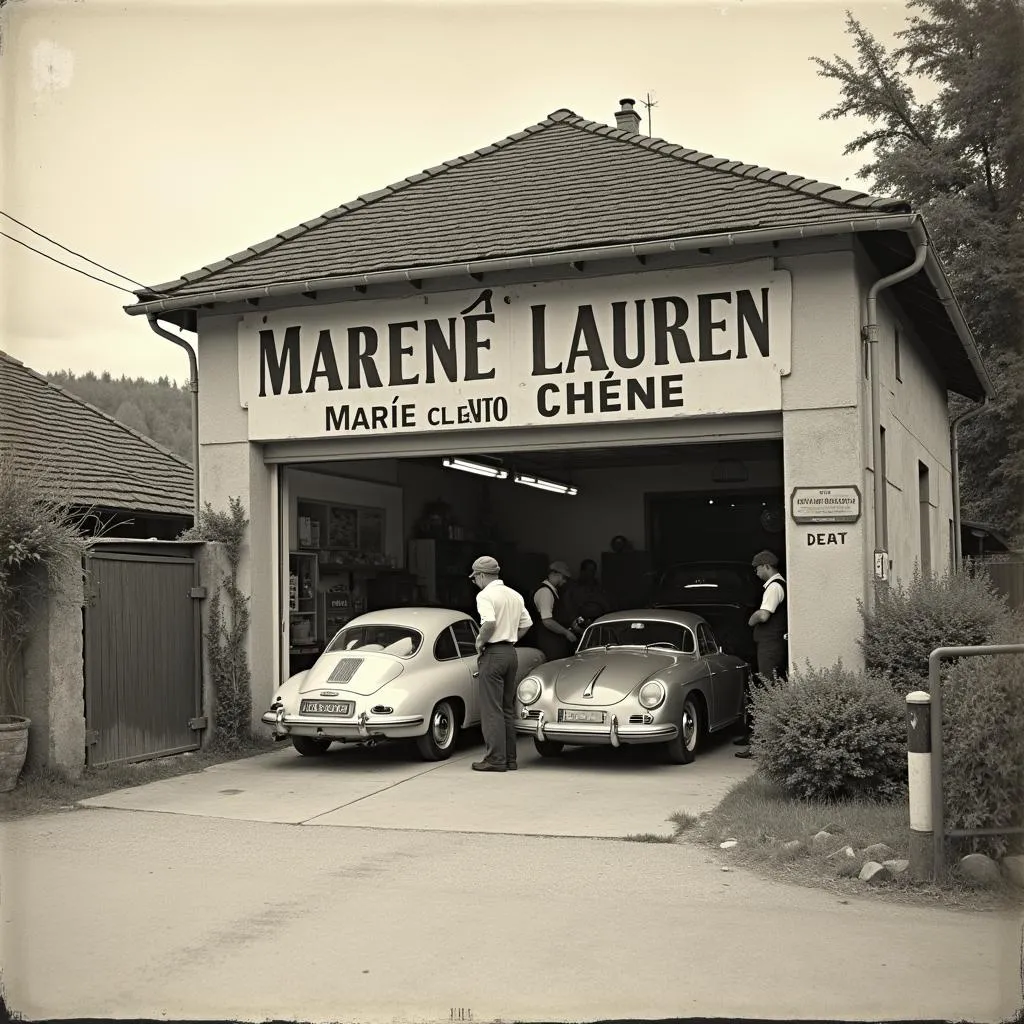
565	715
342	708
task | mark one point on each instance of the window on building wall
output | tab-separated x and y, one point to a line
925	509
885	493
896	353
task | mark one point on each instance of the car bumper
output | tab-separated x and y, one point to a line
361	727
611	733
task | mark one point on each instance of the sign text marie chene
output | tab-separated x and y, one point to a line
653	345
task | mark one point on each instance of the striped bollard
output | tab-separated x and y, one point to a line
919	777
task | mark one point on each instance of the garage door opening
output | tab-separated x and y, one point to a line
366	534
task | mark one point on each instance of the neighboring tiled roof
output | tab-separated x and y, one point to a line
563	184
96	459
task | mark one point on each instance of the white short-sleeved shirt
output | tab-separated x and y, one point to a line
505	608
773	595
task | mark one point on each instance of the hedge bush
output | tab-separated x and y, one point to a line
983	749
908	622
829	734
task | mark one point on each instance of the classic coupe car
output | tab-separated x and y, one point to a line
400	673
640	676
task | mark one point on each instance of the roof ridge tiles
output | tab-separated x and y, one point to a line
557	119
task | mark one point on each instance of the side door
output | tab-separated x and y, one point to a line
726	680
465	632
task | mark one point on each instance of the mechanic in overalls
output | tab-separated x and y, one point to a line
551	632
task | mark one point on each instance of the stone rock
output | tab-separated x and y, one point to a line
874	873
897	867
844	853
980	869
849	868
1013	869
729	844
822	840
793	845
878	851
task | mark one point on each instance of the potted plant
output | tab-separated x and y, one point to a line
40	549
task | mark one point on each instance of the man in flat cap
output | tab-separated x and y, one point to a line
770	623
552	635
503	622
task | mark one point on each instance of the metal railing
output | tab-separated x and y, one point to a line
939	832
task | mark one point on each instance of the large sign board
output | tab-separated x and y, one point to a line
644	346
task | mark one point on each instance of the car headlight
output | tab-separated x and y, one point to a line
528	690
652	693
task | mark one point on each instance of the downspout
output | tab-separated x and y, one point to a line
954	447
193	367
869	334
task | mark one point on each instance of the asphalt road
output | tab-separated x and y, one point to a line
149	913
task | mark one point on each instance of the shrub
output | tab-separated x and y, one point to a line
40	551
908	622
831	734
983	749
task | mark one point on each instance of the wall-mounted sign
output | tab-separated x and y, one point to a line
825	504
644	346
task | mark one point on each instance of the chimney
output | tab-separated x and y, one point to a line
626	118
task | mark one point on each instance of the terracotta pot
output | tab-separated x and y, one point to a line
13	748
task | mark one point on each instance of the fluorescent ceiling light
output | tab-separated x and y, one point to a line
544	485
479	468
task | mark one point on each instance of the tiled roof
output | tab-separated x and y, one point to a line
98	460
563	184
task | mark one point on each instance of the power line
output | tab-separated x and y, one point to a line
53	241
84	273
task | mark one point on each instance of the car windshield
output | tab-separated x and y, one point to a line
400	641
638	633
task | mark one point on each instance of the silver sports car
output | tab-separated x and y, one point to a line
640	676
399	673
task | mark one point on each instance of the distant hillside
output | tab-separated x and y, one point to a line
160	409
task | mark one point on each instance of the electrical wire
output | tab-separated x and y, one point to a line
53	241
84	273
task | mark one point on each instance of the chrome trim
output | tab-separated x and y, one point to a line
540	727
361	719
613	732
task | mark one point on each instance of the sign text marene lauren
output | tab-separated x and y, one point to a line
655	345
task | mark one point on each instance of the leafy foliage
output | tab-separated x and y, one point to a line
908	621
160	409
831	733
959	159
983	749
40	551
229	626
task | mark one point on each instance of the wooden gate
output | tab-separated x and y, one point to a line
143	667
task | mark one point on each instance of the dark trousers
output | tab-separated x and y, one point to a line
772	662
498	668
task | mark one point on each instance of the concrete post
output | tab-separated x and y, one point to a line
919	775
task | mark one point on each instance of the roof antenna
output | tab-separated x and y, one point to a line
648	103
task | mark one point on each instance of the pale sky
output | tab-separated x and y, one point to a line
155	137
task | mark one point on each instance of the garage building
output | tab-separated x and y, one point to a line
578	342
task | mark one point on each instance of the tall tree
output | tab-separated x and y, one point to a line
958	157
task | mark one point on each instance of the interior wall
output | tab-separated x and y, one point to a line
610	502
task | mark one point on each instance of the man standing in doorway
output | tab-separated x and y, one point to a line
770	624
552	636
503	622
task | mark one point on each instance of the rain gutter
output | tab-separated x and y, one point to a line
193	367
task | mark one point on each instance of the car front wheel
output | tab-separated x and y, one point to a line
310	746
682	749
437	743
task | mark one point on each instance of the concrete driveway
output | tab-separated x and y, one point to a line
588	792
